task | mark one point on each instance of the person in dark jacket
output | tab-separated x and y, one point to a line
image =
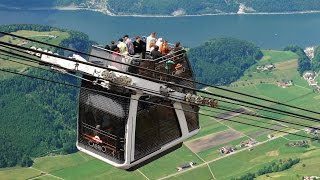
138	45
155	53
113	46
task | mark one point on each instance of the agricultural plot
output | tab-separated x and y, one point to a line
18	173
167	164
52	37
213	140
95	169
245	161
214	152
208	126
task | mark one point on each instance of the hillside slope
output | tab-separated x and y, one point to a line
172	7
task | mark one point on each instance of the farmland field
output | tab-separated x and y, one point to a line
52	37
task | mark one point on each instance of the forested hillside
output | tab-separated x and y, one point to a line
173	7
223	60
180	7
38	117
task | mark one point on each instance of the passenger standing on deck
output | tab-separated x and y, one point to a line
156	54
159	42
138	46
165	49
152	45
129	44
177	47
116	57
151	38
113	46
177	50
122	47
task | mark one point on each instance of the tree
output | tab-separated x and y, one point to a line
222	61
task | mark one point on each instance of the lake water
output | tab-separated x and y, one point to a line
267	31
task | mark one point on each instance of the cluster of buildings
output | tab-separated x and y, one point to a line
227	149
298	144
39	49
309	52
249	143
186	166
314	131
284	83
310	177
267	67
310	77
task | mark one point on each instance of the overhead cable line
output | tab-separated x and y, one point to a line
79	87
249	114
168	75
164	82
225	108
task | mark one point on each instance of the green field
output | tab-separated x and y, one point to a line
244	162
52	37
18	173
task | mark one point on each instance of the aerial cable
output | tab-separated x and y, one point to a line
168	75
271	118
79	87
226	109
160	81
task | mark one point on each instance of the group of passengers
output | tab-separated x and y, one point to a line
151	48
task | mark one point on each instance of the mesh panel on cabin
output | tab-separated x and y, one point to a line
156	126
102	119
191	117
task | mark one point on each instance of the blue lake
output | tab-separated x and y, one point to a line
267	31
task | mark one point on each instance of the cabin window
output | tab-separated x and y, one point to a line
156	125
102	119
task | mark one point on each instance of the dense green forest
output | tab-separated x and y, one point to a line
170	7
223	60
304	63
38	117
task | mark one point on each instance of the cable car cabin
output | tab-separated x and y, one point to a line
128	128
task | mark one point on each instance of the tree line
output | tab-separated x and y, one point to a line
167	7
279	166
222	61
304	63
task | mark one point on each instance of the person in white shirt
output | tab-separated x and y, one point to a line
122	47
150	38
159	42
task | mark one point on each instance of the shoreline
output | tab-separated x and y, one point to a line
109	13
